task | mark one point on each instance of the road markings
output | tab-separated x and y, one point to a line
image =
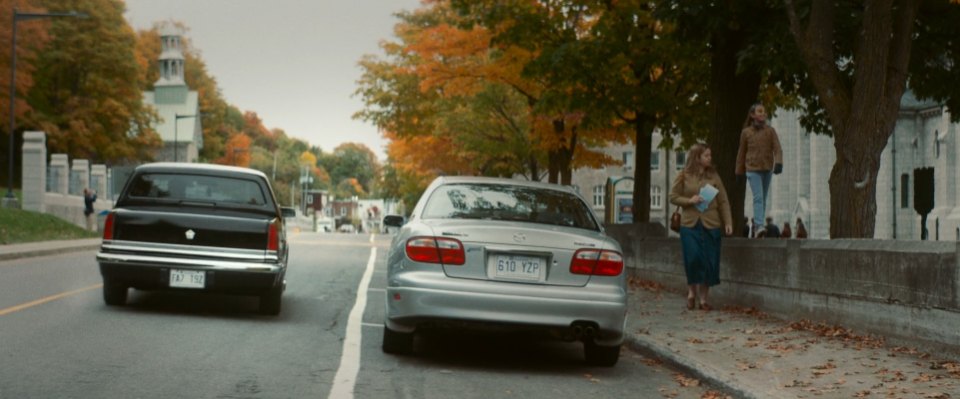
41	301
346	377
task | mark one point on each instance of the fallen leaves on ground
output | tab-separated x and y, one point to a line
685	381
648	285
840	333
714	395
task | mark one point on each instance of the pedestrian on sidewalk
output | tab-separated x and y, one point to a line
801	229
758	158
786	232
705	217
89	197
772	231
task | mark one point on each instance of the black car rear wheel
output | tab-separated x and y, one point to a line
114	293
598	355
270	301
397	343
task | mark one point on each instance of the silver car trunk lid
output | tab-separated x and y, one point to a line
517	252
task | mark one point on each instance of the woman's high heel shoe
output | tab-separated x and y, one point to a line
691	303
706	307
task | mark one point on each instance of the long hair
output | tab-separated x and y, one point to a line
749	121
693	166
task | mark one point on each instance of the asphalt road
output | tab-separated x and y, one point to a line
58	340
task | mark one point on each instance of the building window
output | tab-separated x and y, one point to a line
681	159
654	161
655	197
904	191
627	160
598	195
936	138
343	211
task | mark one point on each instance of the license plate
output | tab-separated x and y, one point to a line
187	278
518	267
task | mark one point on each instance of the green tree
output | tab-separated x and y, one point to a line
857	59
356	161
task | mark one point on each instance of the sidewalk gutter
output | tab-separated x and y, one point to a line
43	248
713	377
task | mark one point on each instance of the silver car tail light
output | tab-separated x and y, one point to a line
441	250
596	262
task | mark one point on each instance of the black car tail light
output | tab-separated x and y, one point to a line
108	226
273	236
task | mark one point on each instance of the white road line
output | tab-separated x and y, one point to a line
346	377
371	238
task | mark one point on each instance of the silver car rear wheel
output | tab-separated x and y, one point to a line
597	355
397	343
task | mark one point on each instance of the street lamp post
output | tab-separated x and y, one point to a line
10	200
176	122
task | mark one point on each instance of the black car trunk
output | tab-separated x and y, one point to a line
197	227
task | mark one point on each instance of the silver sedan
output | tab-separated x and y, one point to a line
484	252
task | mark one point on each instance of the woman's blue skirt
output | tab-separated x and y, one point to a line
701	254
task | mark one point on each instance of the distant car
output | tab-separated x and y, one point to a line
391	223
197	228
347	228
484	252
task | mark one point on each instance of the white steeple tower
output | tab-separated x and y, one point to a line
170	88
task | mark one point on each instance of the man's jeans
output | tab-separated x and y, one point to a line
759	184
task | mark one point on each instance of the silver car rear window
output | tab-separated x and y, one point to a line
506	202
200	188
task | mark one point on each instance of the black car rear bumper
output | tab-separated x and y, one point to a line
255	280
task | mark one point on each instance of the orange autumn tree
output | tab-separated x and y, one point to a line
237	151
461	60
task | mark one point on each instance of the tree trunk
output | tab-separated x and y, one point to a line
862	115
732	92
643	140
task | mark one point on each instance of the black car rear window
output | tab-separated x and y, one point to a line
199	188
508	202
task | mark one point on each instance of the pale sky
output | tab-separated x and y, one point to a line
293	62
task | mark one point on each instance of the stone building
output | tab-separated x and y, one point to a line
178	107
923	137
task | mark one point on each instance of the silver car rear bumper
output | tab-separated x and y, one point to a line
429	297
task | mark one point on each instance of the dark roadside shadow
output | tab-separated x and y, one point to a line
205	305
508	351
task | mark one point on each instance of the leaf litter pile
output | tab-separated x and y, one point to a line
865	376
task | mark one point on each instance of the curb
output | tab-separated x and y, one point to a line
30	253
703	372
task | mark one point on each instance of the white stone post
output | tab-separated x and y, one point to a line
34	170
61	165
82	168
98	178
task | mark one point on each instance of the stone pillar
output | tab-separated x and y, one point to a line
80	169
34	170
98	179
60	168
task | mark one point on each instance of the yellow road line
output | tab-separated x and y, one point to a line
41	301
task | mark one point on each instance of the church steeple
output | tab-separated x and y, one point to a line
171	57
171	87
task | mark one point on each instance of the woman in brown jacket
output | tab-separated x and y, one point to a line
759	156
702	222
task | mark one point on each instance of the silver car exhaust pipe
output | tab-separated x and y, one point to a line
577	331
589	332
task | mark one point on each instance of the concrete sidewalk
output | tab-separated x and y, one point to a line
30	249
751	355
